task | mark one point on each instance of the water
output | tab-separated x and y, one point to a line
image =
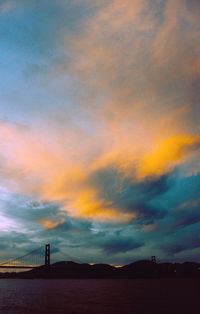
163	296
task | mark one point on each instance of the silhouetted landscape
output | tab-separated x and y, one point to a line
138	269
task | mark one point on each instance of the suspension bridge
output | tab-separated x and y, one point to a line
33	259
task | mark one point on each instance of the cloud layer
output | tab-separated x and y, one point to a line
100	123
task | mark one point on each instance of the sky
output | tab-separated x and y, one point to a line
99	129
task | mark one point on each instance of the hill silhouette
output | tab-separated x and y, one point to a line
138	269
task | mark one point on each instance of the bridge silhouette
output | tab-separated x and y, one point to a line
33	259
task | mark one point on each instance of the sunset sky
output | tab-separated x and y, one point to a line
99	129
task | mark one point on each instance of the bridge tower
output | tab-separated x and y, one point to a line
47	255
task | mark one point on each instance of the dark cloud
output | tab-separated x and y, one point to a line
186	239
15	244
121	245
185	217
24	209
132	197
3	246
81	240
74	225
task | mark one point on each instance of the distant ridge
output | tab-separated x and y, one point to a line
138	269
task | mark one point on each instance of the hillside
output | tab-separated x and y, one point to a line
139	269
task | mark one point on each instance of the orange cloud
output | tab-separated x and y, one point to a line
138	62
88	205
142	57
55	173
48	224
167	154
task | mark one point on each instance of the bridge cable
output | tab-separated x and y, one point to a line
20	257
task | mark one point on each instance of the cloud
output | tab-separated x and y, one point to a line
109	91
6	6
75	179
49	224
186	214
121	245
167	154
187	239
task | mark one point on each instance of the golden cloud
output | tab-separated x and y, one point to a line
138	60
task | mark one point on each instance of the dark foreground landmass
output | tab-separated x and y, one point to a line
139	269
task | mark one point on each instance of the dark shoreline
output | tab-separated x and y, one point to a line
144	269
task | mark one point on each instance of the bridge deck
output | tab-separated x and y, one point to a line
21	267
